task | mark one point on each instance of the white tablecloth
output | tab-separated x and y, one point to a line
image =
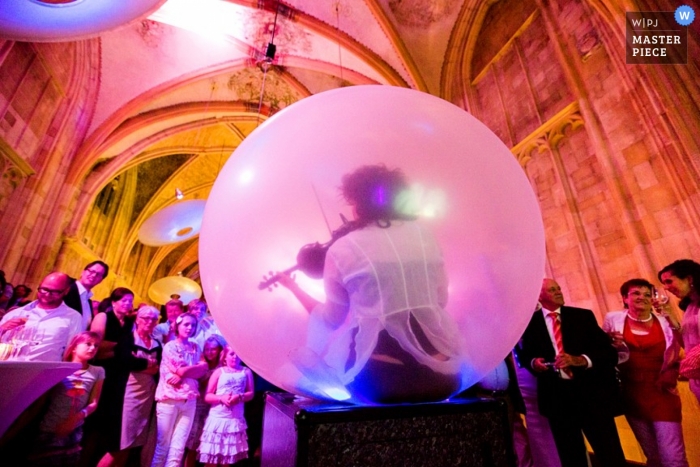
21	383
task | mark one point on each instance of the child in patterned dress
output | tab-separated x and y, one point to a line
224	440
71	401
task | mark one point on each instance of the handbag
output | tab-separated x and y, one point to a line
690	365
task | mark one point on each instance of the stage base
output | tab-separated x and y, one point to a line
301	432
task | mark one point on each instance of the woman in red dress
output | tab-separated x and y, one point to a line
649	373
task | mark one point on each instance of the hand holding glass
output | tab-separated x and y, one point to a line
659	298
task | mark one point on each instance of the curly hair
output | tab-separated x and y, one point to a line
373	191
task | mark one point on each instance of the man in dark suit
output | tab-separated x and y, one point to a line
80	292
574	362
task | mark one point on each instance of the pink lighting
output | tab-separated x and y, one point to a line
213	18
469	191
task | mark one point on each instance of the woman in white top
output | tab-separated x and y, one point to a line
386	289
682	279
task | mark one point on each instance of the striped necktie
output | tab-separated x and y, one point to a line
556	330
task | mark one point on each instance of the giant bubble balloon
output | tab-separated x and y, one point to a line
279	191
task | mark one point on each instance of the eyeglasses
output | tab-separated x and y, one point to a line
149	318
94	272
48	291
640	294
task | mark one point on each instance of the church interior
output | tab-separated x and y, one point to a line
99	130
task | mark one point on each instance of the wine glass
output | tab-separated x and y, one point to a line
660	296
6	347
659	299
18	342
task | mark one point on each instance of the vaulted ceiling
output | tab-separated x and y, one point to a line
180	89
102	129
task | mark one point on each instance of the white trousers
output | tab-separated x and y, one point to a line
662	442
542	447
174	420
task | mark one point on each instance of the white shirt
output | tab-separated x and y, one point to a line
549	321
614	321
85	296
375	279
205	328
161	332
54	330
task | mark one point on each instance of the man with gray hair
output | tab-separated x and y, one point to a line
574	362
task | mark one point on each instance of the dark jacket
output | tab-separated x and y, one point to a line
594	387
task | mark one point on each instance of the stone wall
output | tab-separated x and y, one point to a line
590	134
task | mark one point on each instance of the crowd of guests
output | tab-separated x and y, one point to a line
146	393
173	393
586	375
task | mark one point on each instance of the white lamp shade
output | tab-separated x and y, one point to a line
161	291
173	224
56	21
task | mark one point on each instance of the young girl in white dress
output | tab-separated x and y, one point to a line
224	440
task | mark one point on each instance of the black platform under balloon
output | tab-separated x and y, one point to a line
300	432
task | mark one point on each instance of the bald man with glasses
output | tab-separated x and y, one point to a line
49	322
80	291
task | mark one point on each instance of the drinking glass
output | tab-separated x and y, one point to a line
6	347
18	342
660	298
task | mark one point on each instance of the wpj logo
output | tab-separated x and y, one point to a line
645	23
658	37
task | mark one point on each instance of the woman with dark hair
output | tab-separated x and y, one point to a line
6	294
112	326
648	364
20	296
386	290
126	407
682	279
115	323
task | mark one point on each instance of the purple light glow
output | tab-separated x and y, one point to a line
62	20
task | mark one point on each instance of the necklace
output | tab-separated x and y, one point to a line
146	339
645	320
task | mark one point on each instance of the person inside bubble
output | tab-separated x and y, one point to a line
389	338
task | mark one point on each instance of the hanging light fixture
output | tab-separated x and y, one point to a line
162	290
266	63
68	20
173	224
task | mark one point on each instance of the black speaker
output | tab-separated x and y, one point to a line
301	432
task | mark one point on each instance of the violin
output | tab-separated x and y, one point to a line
312	257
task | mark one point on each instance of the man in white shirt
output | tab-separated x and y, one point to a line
53	323
80	291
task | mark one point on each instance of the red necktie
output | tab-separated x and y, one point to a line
556	330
